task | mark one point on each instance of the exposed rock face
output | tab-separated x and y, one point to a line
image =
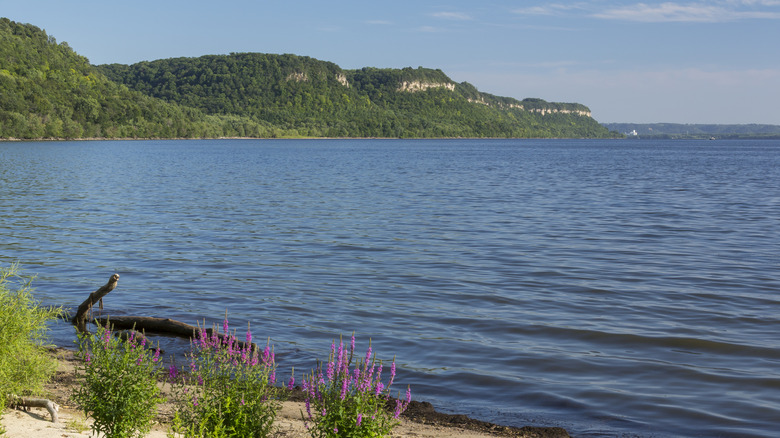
414	86
298	77
543	111
555	110
342	78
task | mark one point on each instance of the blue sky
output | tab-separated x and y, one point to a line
629	61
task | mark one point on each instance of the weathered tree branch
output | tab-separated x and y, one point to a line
142	323
158	325
80	320
39	403
150	324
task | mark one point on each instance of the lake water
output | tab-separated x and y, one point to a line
608	287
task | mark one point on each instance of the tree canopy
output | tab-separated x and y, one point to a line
48	90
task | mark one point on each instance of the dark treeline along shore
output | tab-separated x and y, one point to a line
49	91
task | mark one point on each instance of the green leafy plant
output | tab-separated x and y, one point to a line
120	390
227	390
25	364
344	402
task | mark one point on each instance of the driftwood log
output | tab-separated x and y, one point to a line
80	320
165	326
38	403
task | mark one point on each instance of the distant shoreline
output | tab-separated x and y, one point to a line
293	138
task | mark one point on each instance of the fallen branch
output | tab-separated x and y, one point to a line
39	403
158	325
80	320
150	324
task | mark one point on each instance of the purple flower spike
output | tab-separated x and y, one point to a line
172	372
368	356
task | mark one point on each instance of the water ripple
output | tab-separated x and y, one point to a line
606	287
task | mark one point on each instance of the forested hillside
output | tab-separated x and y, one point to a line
49	91
678	130
317	98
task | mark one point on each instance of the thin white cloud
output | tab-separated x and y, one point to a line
547	9
460	16
702	12
665	12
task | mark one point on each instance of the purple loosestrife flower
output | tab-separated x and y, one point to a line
331	358
291	383
339	364
172	372
359	419
106	338
225	326
344	385
401	406
397	412
156	355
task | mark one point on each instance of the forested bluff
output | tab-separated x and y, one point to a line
47	90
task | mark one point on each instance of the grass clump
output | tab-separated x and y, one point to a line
25	365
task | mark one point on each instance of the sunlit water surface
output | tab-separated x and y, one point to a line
608	287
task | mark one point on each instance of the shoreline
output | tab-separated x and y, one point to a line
420	419
20	140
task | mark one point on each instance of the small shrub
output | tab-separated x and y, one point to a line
120	390
227	389
25	364
350	403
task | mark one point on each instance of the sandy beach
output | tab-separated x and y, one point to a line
420	421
